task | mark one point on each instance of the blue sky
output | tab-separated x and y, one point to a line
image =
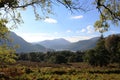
63	24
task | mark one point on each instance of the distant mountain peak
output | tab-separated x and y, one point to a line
55	44
62	44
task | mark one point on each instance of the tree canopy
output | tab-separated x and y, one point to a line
109	12
106	51
7	55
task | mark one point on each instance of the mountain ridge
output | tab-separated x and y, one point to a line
24	46
80	45
48	45
56	44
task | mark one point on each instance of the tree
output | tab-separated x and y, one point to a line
6	55
109	11
98	56
106	51
102	55
112	44
34	57
90	57
58	59
23	56
3	29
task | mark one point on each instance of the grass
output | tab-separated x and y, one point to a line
45	71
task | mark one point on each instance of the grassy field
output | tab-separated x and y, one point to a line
72	71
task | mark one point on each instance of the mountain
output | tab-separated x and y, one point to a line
62	44
48	45
56	44
84	44
23	45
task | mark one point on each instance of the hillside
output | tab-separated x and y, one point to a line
62	44
23	45
84	44
47	45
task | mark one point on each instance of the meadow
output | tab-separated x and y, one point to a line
25	70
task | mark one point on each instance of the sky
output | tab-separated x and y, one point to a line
62	24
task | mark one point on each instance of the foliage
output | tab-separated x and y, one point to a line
109	11
90	57
3	28
57	57
112	44
6	55
17	72
105	52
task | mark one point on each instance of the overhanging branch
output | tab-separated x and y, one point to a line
99	4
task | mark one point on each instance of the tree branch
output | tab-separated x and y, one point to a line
26	5
99	4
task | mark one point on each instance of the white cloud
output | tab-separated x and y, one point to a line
78	31
78	38
50	20
77	17
55	33
90	29
68	31
83	30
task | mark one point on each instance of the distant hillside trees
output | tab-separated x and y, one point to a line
57	57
